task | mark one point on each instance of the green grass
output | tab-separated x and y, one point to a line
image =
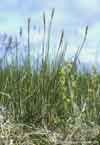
55	97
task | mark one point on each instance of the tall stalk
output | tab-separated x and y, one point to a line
49	32
29	22
44	37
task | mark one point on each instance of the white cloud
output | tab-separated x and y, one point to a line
90	5
54	4
87	8
88	55
94	31
35	37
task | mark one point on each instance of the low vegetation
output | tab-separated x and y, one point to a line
51	104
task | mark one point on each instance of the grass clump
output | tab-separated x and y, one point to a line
52	104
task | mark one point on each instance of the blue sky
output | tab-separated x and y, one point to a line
70	15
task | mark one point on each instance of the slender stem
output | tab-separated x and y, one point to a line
29	22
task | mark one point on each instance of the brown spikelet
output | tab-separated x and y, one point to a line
20	32
52	13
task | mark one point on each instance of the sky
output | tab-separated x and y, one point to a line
71	15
